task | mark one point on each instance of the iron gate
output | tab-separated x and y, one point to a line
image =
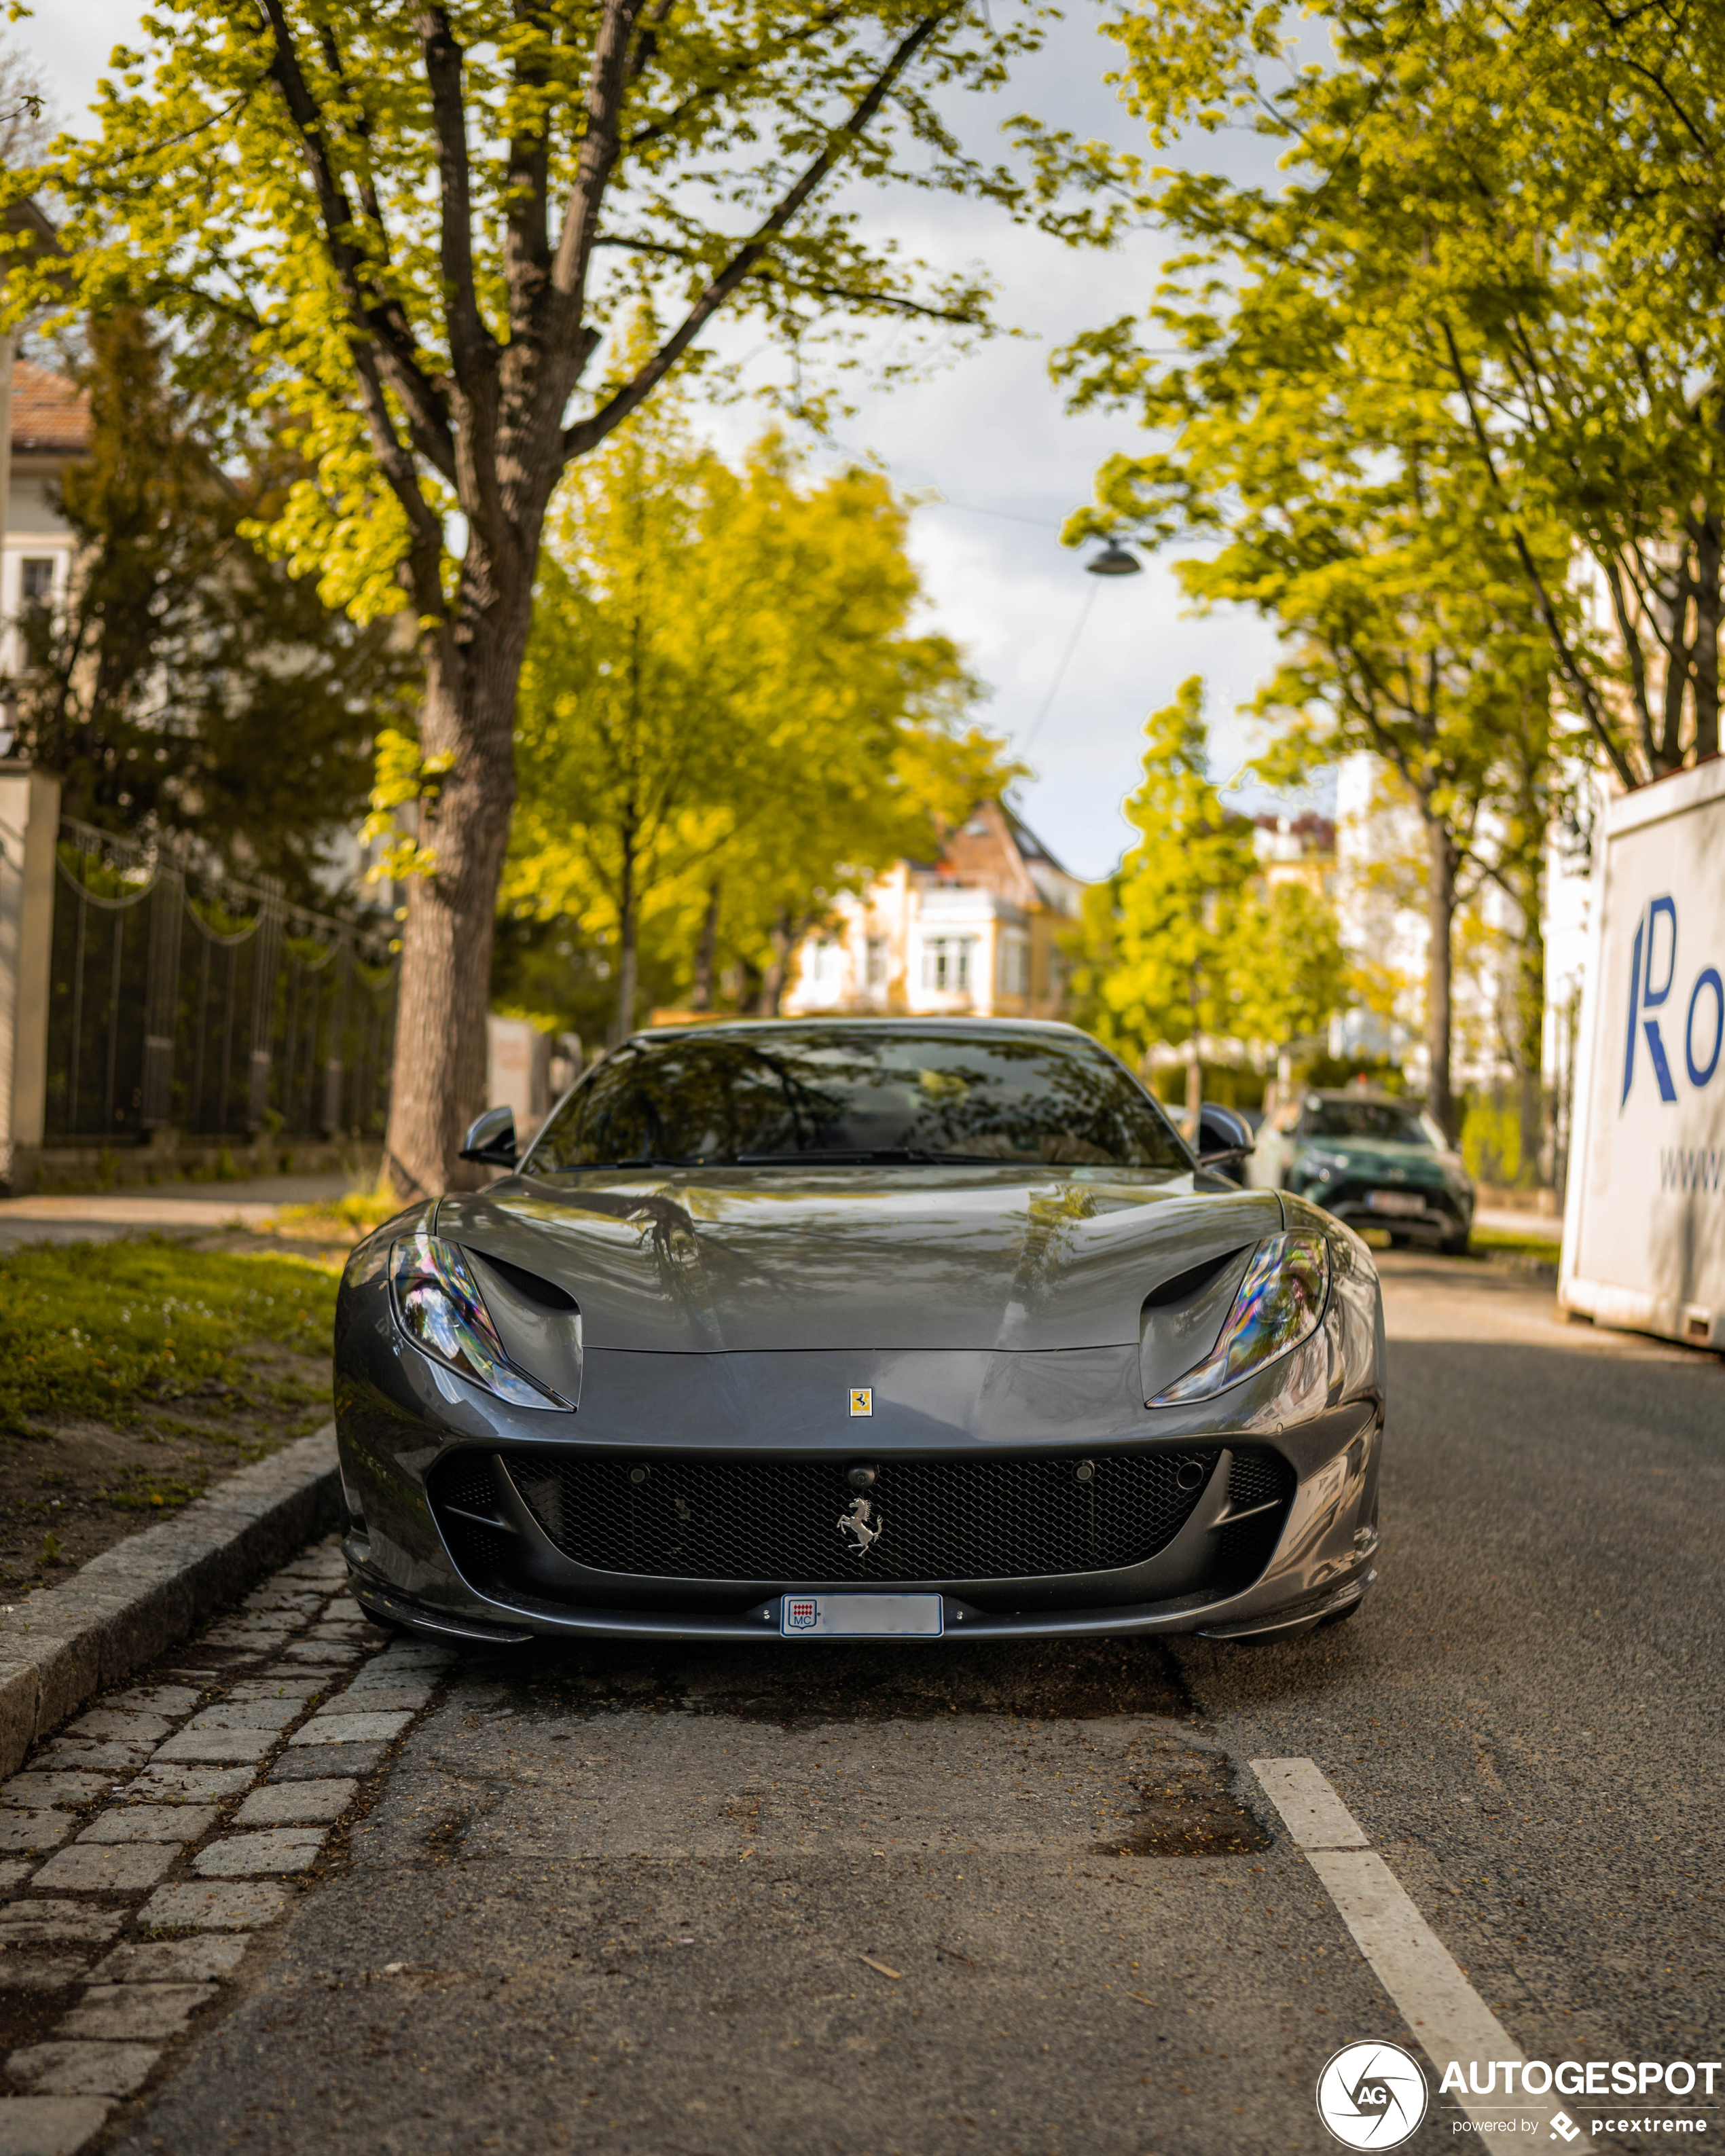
180	999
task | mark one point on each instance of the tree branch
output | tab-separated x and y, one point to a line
378	318
728	78
526	244
607	85
473	351
585	432
1592	710
888	301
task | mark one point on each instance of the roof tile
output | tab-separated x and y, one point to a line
49	415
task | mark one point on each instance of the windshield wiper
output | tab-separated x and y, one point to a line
640	1160
864	1156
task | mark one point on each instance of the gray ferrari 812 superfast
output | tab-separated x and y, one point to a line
859	1327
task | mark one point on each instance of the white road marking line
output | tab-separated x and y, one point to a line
1446	2015
1314	1814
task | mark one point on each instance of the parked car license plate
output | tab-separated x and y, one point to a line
861	1616
1394	1201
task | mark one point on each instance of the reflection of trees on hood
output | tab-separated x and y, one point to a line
710	1097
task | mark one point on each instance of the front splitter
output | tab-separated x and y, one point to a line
510	1627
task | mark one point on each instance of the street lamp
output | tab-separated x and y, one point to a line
1114	561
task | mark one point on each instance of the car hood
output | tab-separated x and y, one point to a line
903	1258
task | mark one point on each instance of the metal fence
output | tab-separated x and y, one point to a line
180	1000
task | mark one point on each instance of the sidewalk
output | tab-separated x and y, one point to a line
184	1208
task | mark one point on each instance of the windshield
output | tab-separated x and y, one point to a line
856	1093
1383	1120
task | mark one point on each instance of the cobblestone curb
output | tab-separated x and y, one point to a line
62	1645
170	1823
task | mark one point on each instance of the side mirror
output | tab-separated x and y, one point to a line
1223	1137
492	1139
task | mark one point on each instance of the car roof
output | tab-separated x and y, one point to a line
1371	1099
860	1022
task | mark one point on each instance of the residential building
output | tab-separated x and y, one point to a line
1380	889
973	933
1296	849
50	431
44	423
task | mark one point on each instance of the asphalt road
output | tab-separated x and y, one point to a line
802	1900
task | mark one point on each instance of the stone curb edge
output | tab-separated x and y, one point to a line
62	1645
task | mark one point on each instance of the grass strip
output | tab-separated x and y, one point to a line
1518	1243
99	1330
341	1219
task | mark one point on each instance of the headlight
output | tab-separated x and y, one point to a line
1314	1163
439	1306
1279	1303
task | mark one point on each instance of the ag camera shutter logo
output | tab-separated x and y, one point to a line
1372	2096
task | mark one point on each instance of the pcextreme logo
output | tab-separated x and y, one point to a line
1653	971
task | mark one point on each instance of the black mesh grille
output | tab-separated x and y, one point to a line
465	1480
936	1519
1258	1478
1244	1547
1434	1197
481	1553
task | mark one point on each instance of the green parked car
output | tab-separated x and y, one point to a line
1371	1160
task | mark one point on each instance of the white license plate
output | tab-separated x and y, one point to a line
1394	1201
861	1616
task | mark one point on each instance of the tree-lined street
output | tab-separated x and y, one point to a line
648	1900
475	638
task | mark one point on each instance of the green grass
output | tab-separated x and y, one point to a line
99	1330
350	1217
1520	1243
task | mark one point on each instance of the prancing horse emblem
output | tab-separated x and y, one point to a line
855	1527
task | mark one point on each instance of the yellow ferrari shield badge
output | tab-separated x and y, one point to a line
862	1400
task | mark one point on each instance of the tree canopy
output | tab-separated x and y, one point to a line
1159	947
417	231
187	683
1512	211
726	716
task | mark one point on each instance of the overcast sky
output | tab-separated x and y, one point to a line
989	435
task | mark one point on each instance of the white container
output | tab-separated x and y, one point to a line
1643	1224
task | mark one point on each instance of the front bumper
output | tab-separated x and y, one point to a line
1444	1215
404	1422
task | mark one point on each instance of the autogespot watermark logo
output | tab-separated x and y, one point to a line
1372	2096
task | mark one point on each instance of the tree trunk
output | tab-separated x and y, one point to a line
1441	917
1530	1017
1194	1090
628	962
775	979
1680	654
1707	567
706	951
443	999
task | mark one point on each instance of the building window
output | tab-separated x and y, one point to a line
37	579
946	963
877	962
1015	966
826	968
